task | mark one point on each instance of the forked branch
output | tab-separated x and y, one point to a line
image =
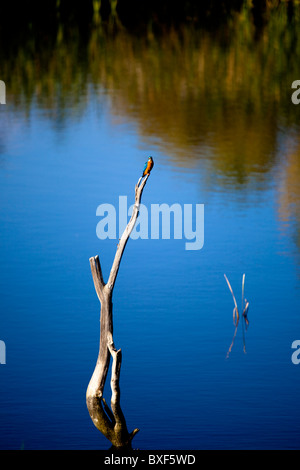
111	424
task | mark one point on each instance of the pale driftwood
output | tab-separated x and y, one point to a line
111	424
124	239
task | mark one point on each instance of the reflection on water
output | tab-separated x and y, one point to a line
214	100
289	187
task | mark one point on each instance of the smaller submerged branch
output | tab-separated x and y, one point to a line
236	310
236	315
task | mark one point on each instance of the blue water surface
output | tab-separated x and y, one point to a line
172	307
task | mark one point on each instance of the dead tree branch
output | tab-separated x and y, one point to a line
112	425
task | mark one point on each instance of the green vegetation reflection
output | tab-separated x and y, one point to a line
215	99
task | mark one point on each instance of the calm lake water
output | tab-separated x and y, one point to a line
82	115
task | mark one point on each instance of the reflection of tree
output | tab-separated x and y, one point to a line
192	90
188	89
289	190
216	97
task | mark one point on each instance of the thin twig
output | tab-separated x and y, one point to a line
127	232
236	310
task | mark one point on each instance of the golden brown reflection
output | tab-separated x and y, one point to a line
217	98
191	90
289	188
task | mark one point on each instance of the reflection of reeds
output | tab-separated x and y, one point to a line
187	90
236	315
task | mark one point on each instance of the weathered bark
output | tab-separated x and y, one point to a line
111	423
